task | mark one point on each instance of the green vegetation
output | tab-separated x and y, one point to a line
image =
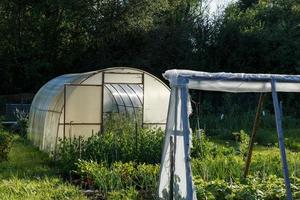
40	40
29	174
49	38
114	166
5	144
217	167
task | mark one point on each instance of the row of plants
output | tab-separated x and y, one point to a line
123	140
139	181
111	147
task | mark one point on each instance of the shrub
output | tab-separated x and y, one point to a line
5	145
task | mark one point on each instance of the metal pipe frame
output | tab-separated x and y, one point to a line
186	138
278	118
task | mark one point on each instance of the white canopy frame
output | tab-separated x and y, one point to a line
175	174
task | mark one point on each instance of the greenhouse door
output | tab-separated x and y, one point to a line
82	108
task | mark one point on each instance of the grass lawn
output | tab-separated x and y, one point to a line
29	174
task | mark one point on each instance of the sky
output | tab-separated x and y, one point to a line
214	4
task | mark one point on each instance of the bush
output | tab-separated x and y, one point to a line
5	145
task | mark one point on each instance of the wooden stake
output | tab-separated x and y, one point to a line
254	130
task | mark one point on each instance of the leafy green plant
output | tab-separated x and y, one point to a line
22	122
243	140
69	151
5	144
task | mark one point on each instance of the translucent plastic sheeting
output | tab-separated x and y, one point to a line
175	176
156	100
235	82
124	90
46	109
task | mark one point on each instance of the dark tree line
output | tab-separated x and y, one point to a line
42	39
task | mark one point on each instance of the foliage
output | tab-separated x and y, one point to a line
5	145
42	39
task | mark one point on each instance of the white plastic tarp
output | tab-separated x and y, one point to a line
175	175
235	82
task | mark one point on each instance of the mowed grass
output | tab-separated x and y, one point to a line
29	174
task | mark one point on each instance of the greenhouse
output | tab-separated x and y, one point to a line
74	105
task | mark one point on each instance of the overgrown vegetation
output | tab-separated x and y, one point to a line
217	167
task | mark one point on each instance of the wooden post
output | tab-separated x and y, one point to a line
254	130
65	99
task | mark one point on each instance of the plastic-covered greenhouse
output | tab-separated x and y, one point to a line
75	105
